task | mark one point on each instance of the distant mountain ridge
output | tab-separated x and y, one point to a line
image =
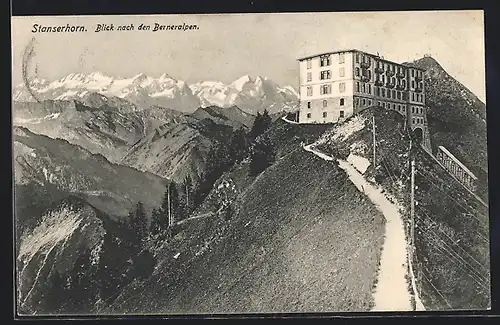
252	94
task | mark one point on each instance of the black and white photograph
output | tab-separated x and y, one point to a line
253	163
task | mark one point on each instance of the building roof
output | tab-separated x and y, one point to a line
352	50
457	162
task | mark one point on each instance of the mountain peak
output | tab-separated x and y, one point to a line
426	63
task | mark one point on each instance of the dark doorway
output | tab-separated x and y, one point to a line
418	135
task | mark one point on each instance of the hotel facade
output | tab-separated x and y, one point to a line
337	85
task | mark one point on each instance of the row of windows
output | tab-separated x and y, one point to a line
325	103
325	89
380	91
325	114
417	120
416	110
392	80
366	73
419	85
417	97
397	107
326	74
362	102
325	60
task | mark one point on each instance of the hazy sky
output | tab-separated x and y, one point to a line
226	47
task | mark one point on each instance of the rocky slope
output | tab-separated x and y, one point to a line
457	119
232	116
451	234
102	125
113	188
74	260
176	150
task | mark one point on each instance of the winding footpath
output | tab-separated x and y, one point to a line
392	292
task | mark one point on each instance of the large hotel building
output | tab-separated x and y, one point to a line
336	85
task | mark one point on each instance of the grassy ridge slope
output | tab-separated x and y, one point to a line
302	239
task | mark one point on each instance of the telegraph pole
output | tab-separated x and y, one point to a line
373	131
412	207
168	203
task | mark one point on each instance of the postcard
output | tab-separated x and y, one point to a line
250	163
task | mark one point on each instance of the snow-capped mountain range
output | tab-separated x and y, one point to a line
249	93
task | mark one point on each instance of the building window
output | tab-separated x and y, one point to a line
377	91
369	89
357	86
327	74
399	95
309	63
342	102
413	73
324	114
412	84
325	89
369	102
364	102
404	83
357	72
413	120
342	72
341	58
383	105
399	108
325	103
413	110
309	77
308	115
341	114
394	106
394	94
383	92
364	88
309	91
357	57
342	87
388	93
379	104
324	61
356	101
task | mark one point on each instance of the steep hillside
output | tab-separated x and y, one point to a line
457	118
103	125
75	259
452	247
299	237
177	149
72	169
232	116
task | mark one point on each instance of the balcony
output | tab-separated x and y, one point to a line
379	69
365	64
390	72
